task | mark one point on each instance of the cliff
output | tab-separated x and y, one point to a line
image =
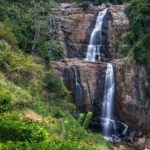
74	25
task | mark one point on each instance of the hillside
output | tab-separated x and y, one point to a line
51	92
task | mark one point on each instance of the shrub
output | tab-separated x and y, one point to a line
28	21
19	67
139	35
12	128
55	85
56	50
47	145
7	34
5	101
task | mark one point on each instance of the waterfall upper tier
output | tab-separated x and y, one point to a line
94	48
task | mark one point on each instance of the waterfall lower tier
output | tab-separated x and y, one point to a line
108	99
94	48
109	125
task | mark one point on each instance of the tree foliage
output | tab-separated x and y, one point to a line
98	2
138	12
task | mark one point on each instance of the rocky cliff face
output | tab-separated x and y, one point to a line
89	76
131	79
74	25
85	79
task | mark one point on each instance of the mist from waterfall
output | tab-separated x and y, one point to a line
95	44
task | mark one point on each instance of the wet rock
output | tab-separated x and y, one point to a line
131	136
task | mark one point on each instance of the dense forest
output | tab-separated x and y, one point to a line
36	111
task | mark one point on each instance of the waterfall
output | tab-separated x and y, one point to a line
109	125
78	88
108	99
95	44
112	129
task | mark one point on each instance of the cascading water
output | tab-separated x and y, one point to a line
78	88
94	47
108	99
109	125
111	129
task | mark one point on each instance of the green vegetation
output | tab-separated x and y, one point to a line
35	110
5	101
84	120
28	21
56	129
97	2
139	36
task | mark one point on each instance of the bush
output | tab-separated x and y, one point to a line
56	50
55	85
12	128
46	145
98	2
139	36
20	97
19	67
28	21
5	101
7	34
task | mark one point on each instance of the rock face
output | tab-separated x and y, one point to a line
117	28
131	79
73	25
90	77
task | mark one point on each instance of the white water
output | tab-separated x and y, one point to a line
108	99
76	77
78	96
109	125
93	51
